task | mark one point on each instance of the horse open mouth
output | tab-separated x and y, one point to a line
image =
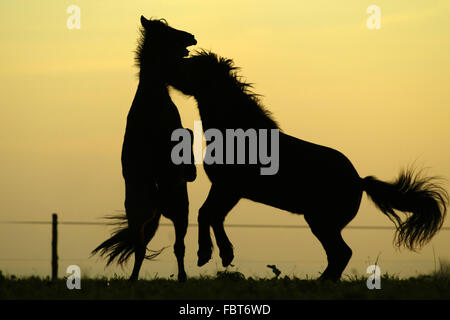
189	44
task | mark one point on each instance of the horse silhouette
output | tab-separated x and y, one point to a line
153	184
313	180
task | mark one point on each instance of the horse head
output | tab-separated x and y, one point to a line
161	40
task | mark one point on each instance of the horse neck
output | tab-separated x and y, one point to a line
152	83
153	73
230	109
153	66
205	106
152	93
218	108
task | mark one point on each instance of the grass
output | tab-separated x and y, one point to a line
444	270
231	285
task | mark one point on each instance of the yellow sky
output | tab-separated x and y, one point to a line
379	96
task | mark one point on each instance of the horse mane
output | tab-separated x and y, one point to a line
142	43
233	80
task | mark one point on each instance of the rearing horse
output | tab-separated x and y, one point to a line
153	184
313	180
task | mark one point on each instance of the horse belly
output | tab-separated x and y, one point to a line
310	178
285	195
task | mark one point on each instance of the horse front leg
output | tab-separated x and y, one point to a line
212	213
224	244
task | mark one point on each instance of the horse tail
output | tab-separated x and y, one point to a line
122	244
422	199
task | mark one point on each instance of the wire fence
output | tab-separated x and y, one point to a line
54	223
270	226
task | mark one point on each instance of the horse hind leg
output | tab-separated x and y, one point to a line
338	252
174	203
143	233
181	226
143	218
139	250
139	256
180	216
135	206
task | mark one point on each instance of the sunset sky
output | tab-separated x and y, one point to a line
379	96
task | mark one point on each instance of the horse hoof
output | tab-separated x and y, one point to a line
182	277
202	261
203	258
227	259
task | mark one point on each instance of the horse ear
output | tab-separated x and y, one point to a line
144	22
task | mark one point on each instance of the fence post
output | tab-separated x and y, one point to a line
54	247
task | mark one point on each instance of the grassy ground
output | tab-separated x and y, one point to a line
227	285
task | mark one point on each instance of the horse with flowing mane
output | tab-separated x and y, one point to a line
153	184
313	180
